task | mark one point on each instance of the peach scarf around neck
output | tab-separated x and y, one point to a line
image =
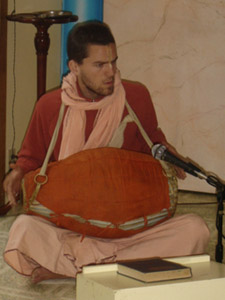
110	110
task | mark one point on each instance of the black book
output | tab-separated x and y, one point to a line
153	269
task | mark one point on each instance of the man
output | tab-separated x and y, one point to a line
95	99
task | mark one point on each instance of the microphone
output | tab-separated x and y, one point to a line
160	152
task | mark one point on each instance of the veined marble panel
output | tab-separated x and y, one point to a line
177	49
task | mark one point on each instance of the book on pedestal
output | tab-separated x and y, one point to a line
153	269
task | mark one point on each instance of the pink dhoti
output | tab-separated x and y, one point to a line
35	242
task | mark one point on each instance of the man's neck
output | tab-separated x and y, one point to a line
86	98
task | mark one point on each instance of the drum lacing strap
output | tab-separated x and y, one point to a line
118	137
42	172
138	123
146	137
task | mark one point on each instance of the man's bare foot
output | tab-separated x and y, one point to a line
40	274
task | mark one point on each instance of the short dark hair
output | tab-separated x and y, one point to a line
85	33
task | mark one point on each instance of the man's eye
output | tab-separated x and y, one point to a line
99	65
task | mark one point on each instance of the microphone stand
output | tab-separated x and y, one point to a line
220	195
160	152
220	190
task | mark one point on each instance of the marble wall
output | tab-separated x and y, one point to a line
177	49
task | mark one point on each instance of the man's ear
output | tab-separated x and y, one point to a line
73	66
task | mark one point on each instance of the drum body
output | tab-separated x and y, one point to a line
106	192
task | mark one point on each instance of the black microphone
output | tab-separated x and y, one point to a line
160	152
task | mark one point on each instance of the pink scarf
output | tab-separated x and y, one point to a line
110	110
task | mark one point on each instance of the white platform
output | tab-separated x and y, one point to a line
104	283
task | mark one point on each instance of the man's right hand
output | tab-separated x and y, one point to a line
12	184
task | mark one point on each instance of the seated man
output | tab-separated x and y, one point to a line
40	249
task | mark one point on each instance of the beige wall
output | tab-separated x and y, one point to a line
176	48
26	86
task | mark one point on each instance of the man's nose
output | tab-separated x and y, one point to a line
110	69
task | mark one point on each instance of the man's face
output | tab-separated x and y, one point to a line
96	74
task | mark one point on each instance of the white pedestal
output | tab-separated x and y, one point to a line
104	283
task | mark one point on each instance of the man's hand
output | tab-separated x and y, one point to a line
180	172
12	184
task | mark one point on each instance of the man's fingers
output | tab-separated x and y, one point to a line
180	173
12	198
12	194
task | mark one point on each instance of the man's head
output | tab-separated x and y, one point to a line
92	57
84	34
